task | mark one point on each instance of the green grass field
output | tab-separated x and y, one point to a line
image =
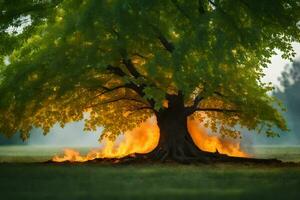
169	181
43	153
42	181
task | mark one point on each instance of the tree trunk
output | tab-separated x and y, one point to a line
175	142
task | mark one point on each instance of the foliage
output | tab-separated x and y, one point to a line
289	94
114	62
15	17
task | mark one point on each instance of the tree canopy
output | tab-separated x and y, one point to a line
114	63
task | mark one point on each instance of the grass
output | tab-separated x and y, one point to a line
93	181
29	154
42	153
284	153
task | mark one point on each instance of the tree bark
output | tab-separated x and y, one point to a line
175	142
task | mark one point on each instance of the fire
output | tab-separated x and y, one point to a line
213	143
140	140
145	138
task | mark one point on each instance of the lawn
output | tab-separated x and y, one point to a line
92	181
169	181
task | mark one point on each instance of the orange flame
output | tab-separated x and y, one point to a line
213	143
140	140
145	138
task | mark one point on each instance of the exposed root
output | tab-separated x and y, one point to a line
160	156
180	156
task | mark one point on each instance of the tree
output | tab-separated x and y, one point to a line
289	94
14	140
116	63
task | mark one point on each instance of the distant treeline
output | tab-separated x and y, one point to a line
11	141
289	93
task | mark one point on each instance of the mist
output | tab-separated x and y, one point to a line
288	92
71	135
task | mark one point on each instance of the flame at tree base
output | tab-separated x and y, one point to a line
142	139
212	143
145	138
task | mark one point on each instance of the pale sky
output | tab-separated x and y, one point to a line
277	66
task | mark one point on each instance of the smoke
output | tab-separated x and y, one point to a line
71	135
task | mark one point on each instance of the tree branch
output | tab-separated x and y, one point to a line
133	71
219	94
217	110
163	40
213	3
139	55
201	8
113	101
190	110
138	88
107	90
116	70
127	62
168	45
140	108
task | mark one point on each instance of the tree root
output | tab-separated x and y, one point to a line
199	157
166	157
186	153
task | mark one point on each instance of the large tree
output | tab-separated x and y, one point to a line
115	63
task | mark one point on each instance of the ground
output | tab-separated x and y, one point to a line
168	181
39	181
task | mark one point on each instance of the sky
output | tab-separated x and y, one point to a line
274	69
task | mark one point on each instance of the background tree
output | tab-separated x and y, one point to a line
14	140
289	94
123	61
